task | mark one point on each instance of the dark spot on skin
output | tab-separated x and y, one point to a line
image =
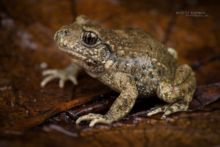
133	70
159	72
154	67
166	95
136	78
151	75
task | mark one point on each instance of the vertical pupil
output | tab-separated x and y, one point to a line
89	38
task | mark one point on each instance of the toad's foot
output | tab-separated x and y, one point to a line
69	73
94	119
168	109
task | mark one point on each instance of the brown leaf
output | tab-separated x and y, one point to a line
205	95
36	120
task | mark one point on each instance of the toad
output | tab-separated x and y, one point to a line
129	61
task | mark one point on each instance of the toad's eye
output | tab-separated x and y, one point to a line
89	38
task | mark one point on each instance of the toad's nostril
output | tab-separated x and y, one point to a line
65	32
61	33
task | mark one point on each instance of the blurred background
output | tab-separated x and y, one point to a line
32	116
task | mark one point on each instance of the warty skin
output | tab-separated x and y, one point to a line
130	62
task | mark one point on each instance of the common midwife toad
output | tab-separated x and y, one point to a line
130	62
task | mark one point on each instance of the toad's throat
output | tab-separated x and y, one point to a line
93	66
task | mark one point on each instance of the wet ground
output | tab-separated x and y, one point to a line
35	116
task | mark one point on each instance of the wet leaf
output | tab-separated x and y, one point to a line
205	95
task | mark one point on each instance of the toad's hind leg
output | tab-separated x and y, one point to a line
177	92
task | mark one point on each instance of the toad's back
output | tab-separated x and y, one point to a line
136	43
138	54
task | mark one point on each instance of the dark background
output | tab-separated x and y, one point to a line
34	116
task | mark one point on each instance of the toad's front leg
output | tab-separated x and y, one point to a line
121	106
69	73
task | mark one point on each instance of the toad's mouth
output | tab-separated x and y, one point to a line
69	51
87	62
